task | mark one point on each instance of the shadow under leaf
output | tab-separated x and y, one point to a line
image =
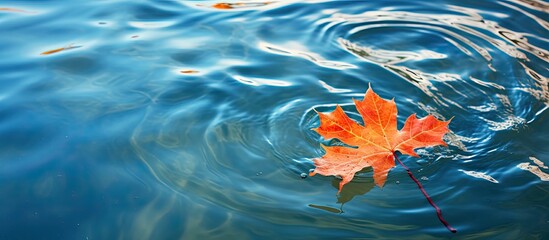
359	186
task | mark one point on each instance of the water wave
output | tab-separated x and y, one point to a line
192	119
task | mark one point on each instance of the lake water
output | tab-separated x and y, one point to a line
192	119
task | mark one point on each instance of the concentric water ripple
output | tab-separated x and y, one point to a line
239	144
192	119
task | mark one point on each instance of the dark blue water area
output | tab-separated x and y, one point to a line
180	120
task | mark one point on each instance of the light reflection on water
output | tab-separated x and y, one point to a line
179	120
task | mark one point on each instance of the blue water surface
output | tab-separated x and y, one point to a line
191	120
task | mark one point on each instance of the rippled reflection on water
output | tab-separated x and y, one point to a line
183	119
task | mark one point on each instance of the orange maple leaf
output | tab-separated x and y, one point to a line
374	144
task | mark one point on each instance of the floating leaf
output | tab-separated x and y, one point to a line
188	71
375	143
239	5
59	49
223	6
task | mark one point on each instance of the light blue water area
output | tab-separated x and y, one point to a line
179	120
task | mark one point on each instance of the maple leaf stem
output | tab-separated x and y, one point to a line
439	212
